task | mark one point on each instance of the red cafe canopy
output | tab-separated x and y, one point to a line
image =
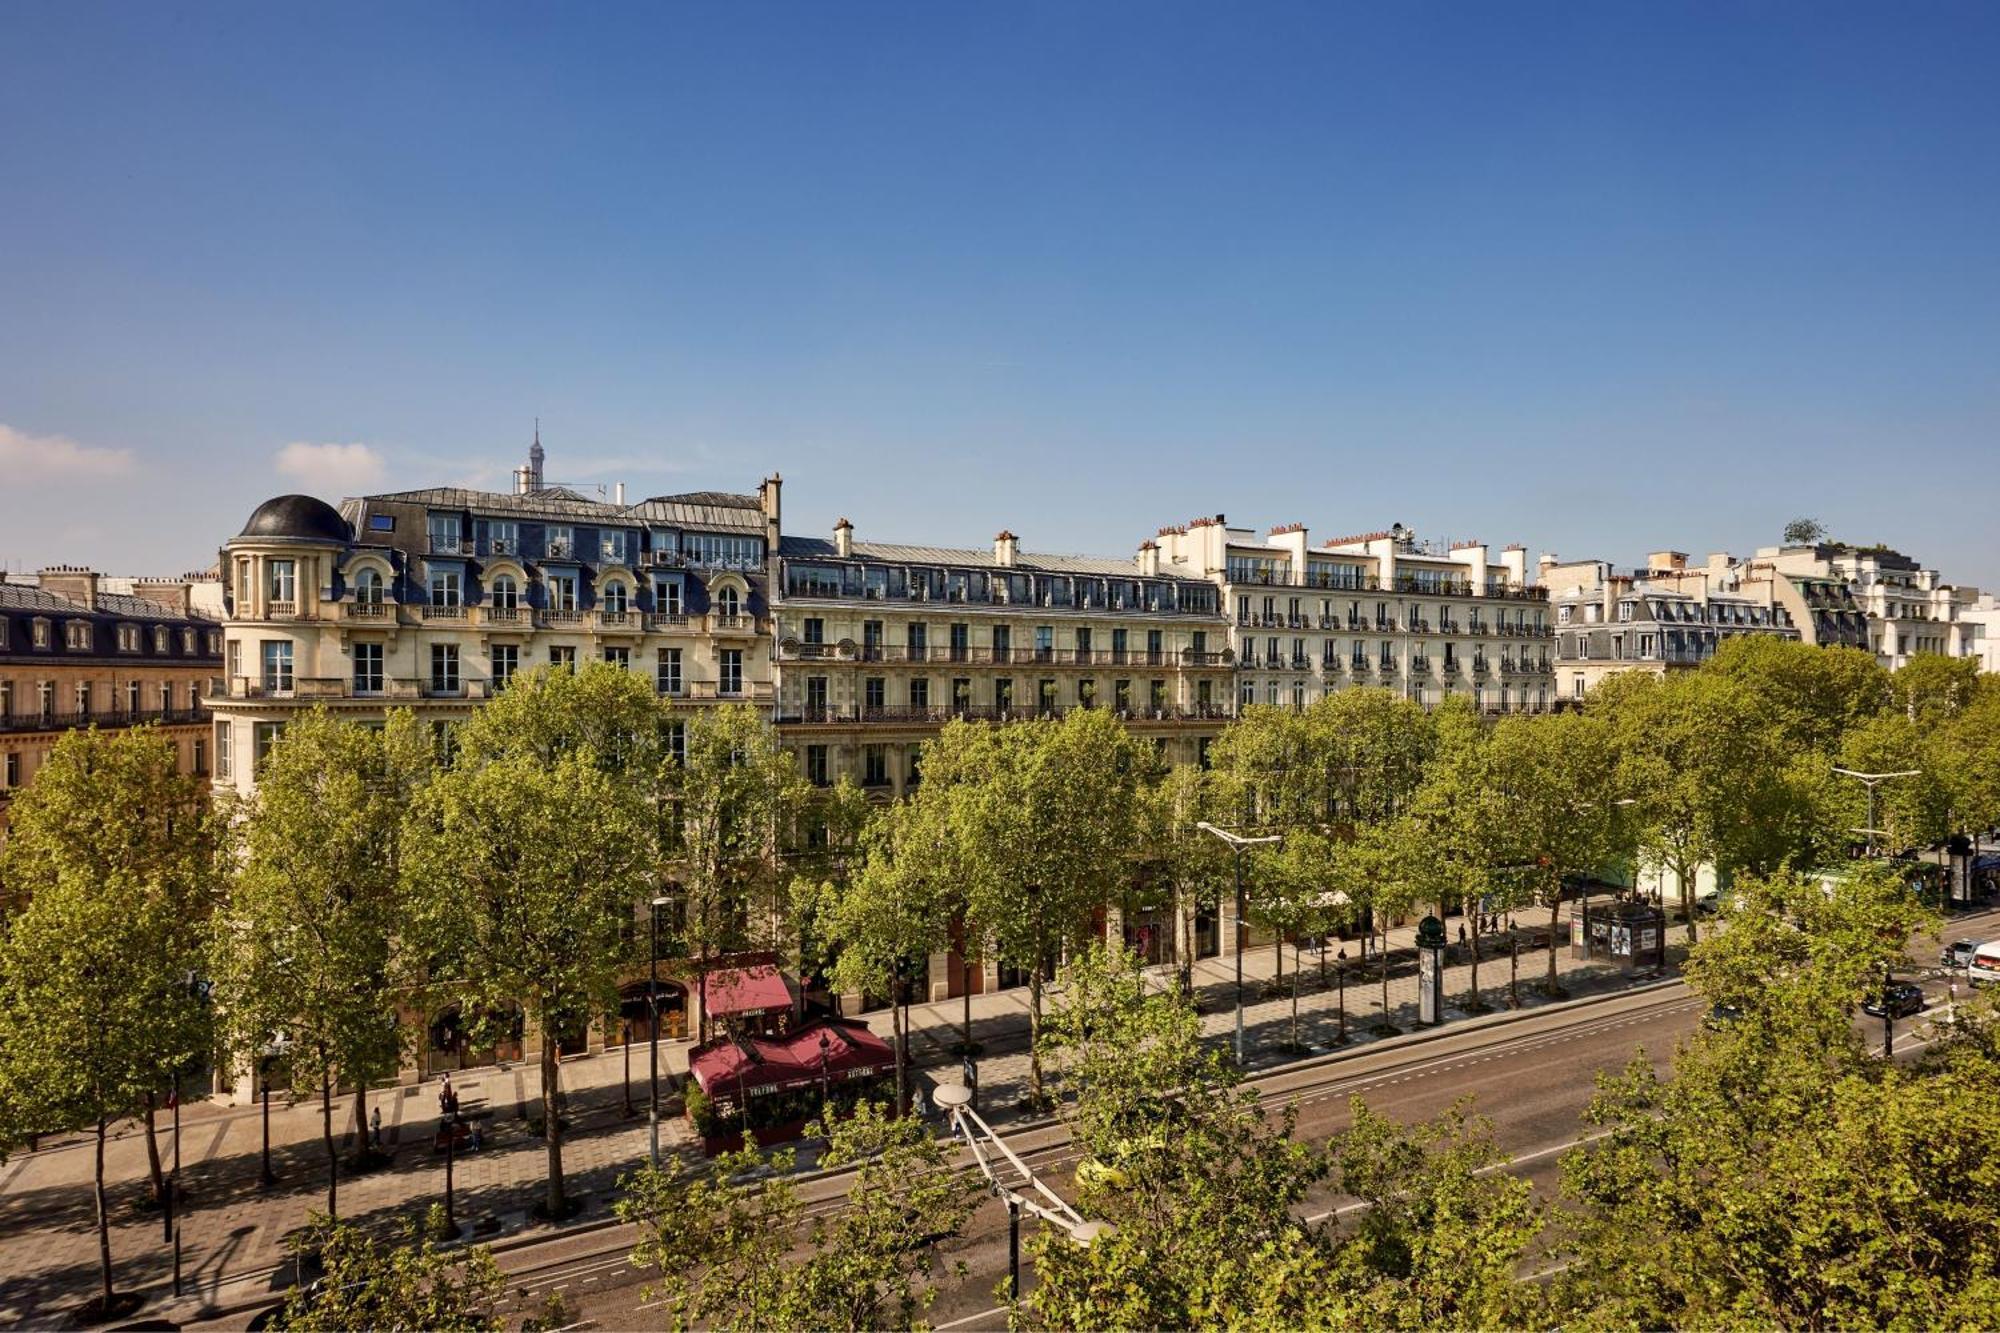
764	1065
747	992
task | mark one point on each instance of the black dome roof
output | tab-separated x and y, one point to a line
298	516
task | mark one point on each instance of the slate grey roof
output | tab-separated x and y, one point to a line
297	516
31	597
557	504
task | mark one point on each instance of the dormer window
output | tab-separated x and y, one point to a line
611	547
77	634
368	588
561	542
728	603
160	639
128	638
615	598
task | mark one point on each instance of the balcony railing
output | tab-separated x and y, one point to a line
618	620
938	714
372	611
722	621
69	721
567	619
511	616
277	609
666	620
444	611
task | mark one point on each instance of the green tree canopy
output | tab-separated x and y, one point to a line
311	948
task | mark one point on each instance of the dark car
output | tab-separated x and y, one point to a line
1899	999
1722	1016
1958	954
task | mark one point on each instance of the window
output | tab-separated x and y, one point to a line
281	581
278	664
40	633
506	661
506	593
235	657
1045	695
1155	643
728	602
815	697
562	592
45	699
920	692
874	692
132	702
616	597
667	597
262	738
730	662
619	657
6	698
83	696
368	588
11	777
199	748
918	643
1045	640
78	632
1562	615
562	655
1156	695
1003	642
447	587
677	741
667	671
1083	643
875	766
961	641
1003	694
502	537
611	547
381	523
444	668
560	544
444	533
1121	695
159	639
703	548
1203	694
816	765
367	668
812	630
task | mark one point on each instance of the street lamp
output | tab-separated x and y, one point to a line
653	1030
1239	844
274	1051
955	1100
824	1047
1871	781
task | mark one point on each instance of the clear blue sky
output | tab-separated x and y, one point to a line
1595	277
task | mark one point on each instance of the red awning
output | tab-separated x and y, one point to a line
747	991
764	1065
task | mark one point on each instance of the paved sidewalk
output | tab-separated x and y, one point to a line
233	1231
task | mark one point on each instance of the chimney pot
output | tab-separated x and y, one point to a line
1006	546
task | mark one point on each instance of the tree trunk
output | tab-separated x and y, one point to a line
326	1135
153	1152
552	1121
103	1224
1295	1004
1686	884
1383	959
898	1024
1472	910
1035	1034
1555	923
966	986
362	1147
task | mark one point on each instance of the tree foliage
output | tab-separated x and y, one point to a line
405	1284
734	1247
310	949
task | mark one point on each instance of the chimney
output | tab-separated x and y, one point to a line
618	493
173	594
1006	546
74	582
843	538
1149	558
1546	563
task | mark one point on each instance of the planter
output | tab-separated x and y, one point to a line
764	1136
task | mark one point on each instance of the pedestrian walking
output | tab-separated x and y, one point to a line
478	1138
375	1128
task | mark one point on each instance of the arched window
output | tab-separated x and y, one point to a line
506	593
727	603
615	596
368	588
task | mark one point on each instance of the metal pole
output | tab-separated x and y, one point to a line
1340	976
450	1155
1888	1011
1240	934
1514	970
1013	1248
653	1036
267	1179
